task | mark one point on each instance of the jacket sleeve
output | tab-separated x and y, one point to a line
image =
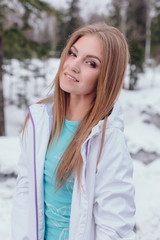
20	211
114	206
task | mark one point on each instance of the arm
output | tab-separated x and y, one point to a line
114	206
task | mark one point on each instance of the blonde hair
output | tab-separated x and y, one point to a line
110	81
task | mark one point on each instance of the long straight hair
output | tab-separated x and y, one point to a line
114	63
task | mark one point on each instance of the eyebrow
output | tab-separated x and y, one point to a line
90	56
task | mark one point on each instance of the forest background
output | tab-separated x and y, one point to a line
35	29
32	35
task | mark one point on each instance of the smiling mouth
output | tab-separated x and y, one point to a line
74	79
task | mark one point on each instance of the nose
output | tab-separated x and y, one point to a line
75	66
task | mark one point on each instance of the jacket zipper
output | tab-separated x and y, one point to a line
35	172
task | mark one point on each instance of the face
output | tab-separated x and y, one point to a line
82	67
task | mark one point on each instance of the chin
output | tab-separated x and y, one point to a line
65	89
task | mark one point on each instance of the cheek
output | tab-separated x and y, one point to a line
66	63
91	84
61	82
60	77
93	79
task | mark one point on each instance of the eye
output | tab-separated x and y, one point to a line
92	64
72	53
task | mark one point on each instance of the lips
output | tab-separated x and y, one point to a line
71	77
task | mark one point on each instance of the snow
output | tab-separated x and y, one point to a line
147	198
142	131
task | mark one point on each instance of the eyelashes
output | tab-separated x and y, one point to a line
72	53
90	63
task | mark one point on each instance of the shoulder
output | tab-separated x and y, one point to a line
116	118
115	140
49	106
115	153
40	113
44	105
114	121
115	157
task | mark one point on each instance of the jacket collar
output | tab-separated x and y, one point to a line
115	119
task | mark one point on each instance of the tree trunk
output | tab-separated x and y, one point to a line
148	31
124	5
2	122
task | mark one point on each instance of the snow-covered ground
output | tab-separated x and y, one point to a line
142	130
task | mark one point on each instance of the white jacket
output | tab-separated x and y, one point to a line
103	208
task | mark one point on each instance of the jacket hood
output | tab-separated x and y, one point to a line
115	120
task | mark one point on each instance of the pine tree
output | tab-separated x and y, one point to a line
136	20
130	17
30	6
117	14
155	28
136	62
70	21
73	17
136	32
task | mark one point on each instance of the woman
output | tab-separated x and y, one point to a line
75	172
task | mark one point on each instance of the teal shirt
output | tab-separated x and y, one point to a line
57	206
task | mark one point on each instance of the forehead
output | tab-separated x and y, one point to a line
89	44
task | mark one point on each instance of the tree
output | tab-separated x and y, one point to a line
70	21
136	30
148	30
114	13
118	16
136	20
2	122
155	29
2	119
73	16
136	62
130	17
29	6
152	27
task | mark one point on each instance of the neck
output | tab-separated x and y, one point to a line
77	107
